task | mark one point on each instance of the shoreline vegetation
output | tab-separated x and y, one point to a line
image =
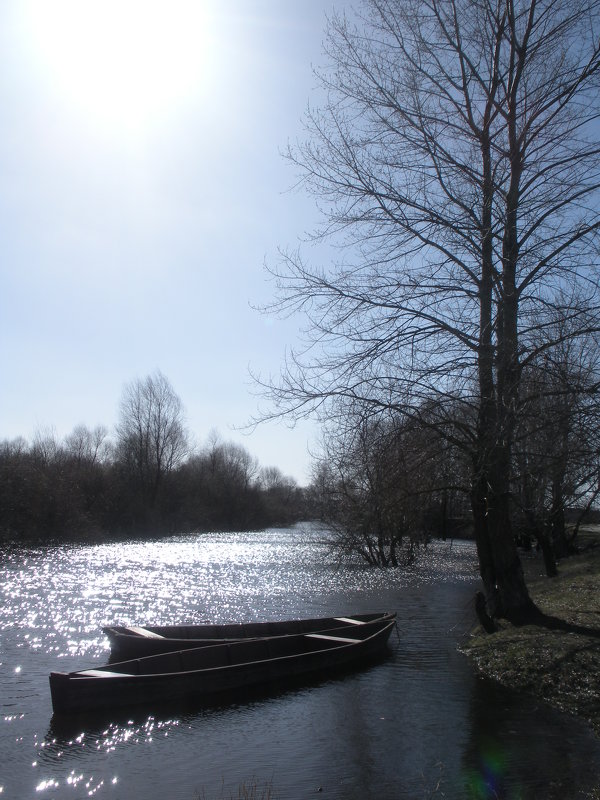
84	489
557	664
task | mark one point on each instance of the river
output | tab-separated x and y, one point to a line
418	725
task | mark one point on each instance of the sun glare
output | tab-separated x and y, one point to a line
125	63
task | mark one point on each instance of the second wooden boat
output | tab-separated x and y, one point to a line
136	641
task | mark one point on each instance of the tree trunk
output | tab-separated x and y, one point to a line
482	541
548	555
444	517
499	373
558	534
500	567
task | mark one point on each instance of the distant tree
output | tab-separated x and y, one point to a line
229	484
273	478
281	495
232	465
88	469
151	435
45	447
88	446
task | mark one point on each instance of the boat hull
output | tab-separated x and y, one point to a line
210	671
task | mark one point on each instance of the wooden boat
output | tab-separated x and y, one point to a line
136	642
204	672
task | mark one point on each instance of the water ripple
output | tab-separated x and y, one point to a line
380	732
58	598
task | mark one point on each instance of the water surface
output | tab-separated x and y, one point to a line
417	725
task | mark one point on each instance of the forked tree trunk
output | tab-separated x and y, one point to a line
500	568
506	594
499	564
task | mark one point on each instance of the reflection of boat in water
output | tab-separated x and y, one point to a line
135	642
217	668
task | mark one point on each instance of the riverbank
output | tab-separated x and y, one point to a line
559	666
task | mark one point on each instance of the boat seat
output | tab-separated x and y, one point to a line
333	638
102	673
349	620
143	632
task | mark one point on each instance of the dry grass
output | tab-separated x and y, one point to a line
560	666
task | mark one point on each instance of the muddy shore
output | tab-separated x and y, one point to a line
559	666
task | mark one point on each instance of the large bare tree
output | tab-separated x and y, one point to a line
456	159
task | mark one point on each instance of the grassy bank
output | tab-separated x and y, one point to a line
560	666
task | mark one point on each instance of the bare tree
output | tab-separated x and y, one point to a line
151	434
374	490
456	158
229	464
387	484
275	484
557	444
88	446
45	447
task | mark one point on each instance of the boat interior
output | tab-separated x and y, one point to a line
235	653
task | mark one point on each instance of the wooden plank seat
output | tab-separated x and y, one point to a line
344	639
138	631
101	673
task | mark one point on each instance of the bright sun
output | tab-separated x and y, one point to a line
126	64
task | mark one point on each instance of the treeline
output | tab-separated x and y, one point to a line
146	480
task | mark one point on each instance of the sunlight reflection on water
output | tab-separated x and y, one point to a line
61	596
387	727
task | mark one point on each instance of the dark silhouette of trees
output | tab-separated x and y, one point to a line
227	490
282	498
52	489
369	496
456	158
557	443
149	483
387	485
224	480
19	481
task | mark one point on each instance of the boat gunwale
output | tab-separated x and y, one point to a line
129	633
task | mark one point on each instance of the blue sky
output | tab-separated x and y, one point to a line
142	189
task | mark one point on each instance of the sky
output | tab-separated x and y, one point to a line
142	190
